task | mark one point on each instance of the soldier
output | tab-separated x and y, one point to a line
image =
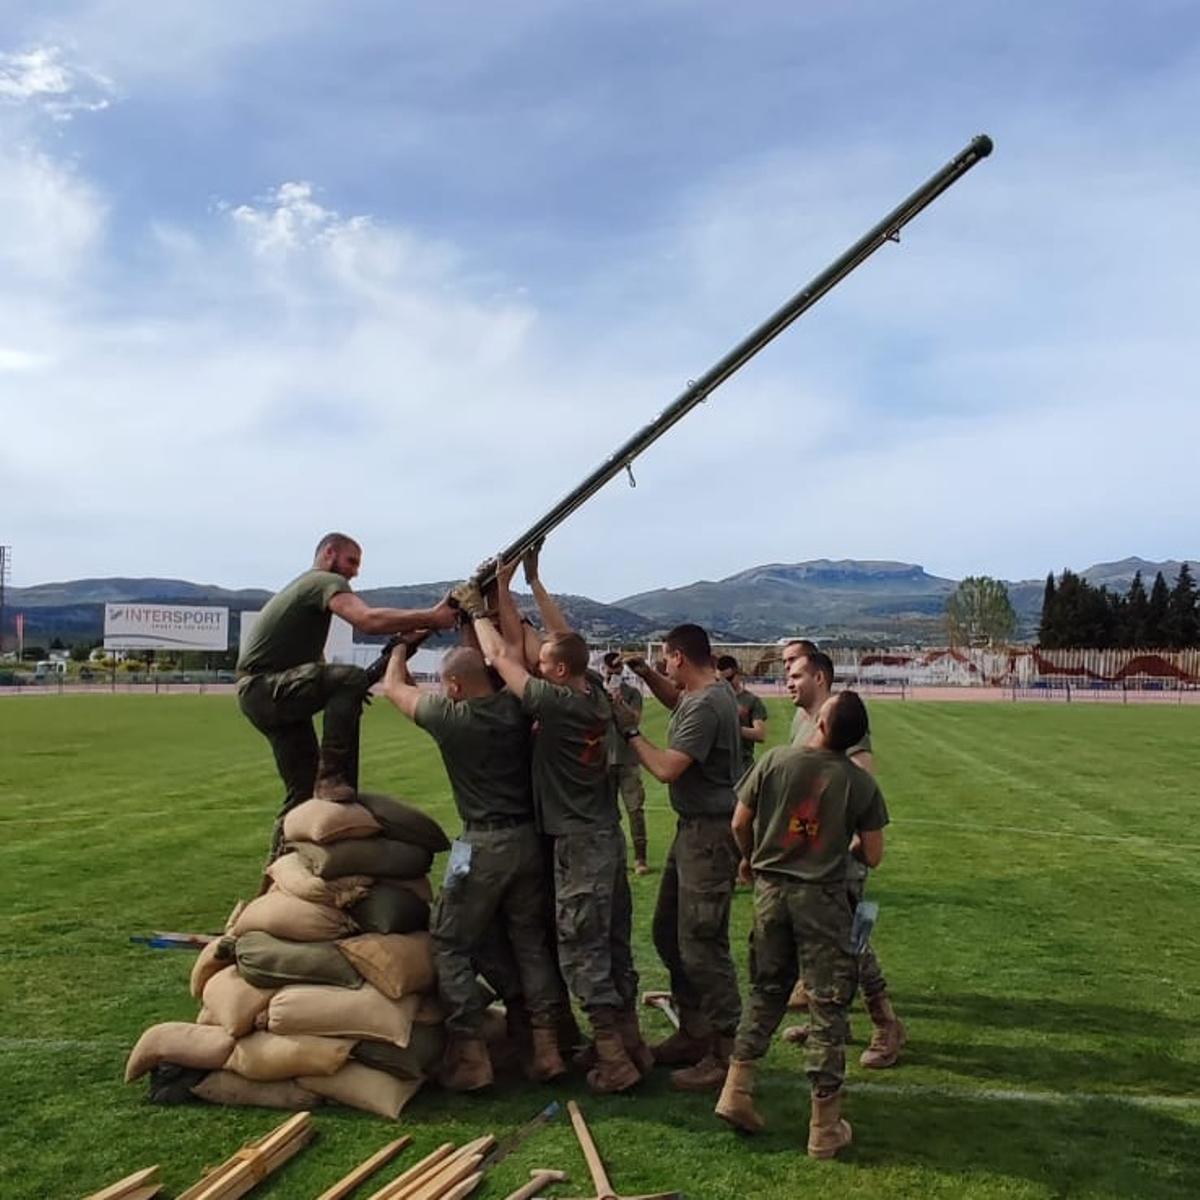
752	712
496	876
797	812
283	682
626	766
576	806
700	766
810	681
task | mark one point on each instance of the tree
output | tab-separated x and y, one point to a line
1048	626
1137	614
1158	613
1183	617
979	613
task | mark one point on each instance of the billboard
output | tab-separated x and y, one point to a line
339	646
165	627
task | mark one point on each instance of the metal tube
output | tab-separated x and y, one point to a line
886	230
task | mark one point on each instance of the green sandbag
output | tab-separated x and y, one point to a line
414	1061
270	962
404	822
389	908
377	856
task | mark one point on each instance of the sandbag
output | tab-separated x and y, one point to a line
414	1061
227	1087
214	957
292	918
368	856
291	875
182	1043
430	1010
328	821
269	1056
405	823
420	887
233	1003
395	963
270	962
340	1012
361	1087
389	908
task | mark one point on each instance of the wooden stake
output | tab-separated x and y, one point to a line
254	1162
416	1172
124	1189
365	1170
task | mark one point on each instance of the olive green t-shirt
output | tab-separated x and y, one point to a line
704	725
573	789
485	745
621	753
292	628
750	709
807	806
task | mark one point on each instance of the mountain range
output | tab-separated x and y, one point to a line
859	601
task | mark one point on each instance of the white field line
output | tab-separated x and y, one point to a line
1023	1096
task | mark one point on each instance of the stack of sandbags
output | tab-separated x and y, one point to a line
323	987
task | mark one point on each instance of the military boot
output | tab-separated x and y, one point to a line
639	1053
546	1061
686	1046
708	1075
798	1000
736	1104
827	1132
466	1064
887	1036
333	782
637	831
613	1072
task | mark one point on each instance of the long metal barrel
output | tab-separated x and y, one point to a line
887	230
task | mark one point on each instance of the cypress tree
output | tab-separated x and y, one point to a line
1158	615
1047	627
1183	622
1137	613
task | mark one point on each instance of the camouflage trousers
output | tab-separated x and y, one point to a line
281	707
593	913
503	895
633	796
801	930
871	980
691	925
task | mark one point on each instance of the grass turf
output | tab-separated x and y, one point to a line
1037	925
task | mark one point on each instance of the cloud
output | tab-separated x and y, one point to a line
43	77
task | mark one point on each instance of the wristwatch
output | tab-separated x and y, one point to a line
630	734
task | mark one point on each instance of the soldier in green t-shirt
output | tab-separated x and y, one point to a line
624	761
283	682
752	712
700	766
798	813
810	682
497	879
576	806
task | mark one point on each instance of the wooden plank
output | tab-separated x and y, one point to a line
365	1170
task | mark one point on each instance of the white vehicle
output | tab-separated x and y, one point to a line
49	668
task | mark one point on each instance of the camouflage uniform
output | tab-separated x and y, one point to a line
628	770
807	805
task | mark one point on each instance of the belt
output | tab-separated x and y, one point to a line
698	818
498	823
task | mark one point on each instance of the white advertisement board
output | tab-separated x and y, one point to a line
339	647
165	627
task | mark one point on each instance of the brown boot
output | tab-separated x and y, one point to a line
827	1132
639	1053
546	1062
686	1046
332	783
466	1064
613	1072
708	1075
795	1035
798	1000
887	1037
736	1104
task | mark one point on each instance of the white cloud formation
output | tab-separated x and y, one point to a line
44	77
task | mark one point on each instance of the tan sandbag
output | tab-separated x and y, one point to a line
340	1012
214	957
396	963
232	1003
205	1047
292	918
269	1056
290	875
429	1010
328	821
363	1087
227	1087
231	920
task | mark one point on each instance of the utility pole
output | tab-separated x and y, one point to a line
5	568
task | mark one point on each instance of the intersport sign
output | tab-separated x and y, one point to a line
165	627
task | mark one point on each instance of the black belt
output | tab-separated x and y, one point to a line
498	823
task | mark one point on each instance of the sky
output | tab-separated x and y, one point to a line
411	271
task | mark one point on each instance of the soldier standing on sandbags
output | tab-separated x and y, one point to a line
576	803
797	812
283	682
496	874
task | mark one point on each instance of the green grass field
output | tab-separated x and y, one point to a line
1038	926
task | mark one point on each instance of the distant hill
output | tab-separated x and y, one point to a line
860	601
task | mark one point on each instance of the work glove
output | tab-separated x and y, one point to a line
469	598
625	716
